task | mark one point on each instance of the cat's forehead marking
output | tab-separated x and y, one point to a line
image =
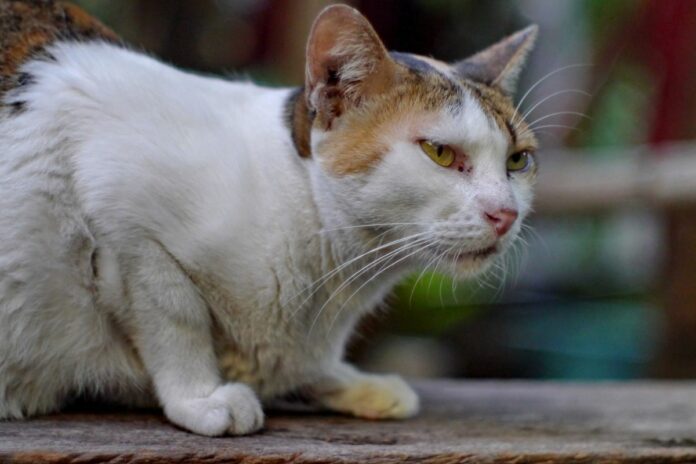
501	110
496	105
363	138
421	64
426	87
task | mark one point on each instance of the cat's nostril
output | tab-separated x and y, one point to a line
502	220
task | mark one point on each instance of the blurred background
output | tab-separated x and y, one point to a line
603	286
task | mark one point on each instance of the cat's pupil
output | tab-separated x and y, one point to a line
516	157
439	150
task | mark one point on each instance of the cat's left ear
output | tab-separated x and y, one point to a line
346	63
500	64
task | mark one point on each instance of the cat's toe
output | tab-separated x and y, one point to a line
231	409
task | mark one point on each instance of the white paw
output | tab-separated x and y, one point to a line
374	397
231	409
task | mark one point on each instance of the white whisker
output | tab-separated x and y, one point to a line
420	276
442	256
537	83
359	272
552	126
381	270
549	97
376	224
434	272
322	280
559	113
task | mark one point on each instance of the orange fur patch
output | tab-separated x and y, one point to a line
358	142
496	104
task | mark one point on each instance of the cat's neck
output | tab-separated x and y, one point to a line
359	263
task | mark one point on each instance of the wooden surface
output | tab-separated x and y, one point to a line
461	422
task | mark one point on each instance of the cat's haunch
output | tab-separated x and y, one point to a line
207	245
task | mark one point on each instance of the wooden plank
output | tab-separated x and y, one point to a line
491	422
573	181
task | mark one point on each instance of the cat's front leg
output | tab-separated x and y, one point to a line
347	390
173	336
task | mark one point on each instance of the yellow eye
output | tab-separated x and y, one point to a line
441	154
518	161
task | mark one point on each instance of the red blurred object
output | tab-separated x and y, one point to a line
667	37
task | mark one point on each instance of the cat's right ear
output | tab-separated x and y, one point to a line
346	63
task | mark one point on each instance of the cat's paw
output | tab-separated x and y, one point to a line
374	397
231	409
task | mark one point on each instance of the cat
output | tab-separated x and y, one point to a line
205	245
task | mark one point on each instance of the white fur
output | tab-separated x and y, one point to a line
161	236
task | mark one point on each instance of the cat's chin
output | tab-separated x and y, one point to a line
473	263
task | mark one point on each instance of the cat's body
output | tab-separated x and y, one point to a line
165	233
100	211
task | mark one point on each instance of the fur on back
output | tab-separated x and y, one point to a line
197	243
28	26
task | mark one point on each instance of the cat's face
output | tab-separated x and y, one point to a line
435	156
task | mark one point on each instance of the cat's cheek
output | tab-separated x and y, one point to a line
524	198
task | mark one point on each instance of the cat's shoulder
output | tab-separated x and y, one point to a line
27	27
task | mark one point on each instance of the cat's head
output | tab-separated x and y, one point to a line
420	148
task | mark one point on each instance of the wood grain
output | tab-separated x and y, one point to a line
461	422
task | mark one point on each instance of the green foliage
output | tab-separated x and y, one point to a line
621	113
430	303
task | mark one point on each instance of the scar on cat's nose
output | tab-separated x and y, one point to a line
502	220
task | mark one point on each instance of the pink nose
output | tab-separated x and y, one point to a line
502	220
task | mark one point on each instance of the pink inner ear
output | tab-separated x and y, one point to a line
319	58
330	26
343	44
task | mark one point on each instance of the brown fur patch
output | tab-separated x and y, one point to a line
359	91
358	144
28	26
299	120
494	102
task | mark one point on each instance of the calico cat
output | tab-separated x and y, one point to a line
206	245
